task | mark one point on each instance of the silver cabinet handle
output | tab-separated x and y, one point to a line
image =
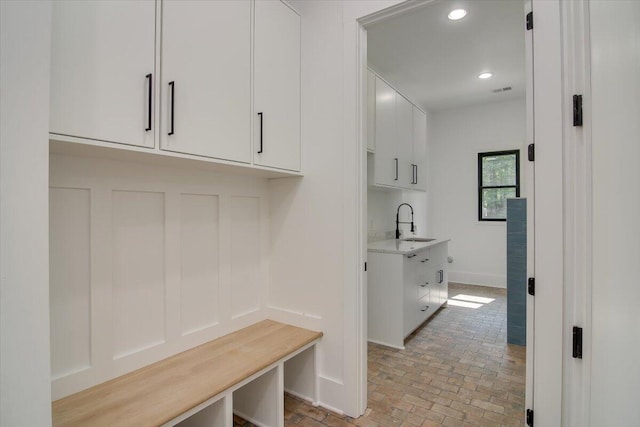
440	276
425	308
425	260
425	284
411	256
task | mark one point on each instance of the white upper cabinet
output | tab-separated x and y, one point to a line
404	142
206	78
371	111
386	161
226	74
276	114
419	149
102	71
399	130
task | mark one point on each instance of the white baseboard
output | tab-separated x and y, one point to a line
467	278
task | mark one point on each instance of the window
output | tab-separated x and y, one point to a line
498	180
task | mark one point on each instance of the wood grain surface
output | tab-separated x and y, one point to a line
159	392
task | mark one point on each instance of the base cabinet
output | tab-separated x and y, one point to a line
404	291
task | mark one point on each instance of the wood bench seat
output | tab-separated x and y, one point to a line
161	392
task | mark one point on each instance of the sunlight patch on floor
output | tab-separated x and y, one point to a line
465	304
469	301
472	298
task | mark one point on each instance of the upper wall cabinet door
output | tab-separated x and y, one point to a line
206	78
404	142
102	70
419	149
277	86
386	160
371	111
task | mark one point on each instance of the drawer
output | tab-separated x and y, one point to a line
424	288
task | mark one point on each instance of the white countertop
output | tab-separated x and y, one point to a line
394	246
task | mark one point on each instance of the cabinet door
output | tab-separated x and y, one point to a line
206	78
386	161
404	138
371	111
101	53
419	149
276	115
410	294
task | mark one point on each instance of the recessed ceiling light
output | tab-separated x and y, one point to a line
486	75
456	14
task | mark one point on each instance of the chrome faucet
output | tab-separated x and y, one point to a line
398	222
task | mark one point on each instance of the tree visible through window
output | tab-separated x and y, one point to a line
498	180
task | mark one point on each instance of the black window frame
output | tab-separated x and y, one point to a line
481	187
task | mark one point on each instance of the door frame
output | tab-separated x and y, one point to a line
544	384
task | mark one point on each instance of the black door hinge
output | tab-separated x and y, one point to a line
531	152
577	110
531	286
577	342
365	266
529	20
530	417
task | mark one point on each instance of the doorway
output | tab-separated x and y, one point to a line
477	99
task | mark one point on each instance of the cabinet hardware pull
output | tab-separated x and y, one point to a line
425	284
149	78
260	150
413	173
416	174
425	260
396	160
425	308
440	276
411	256
172	85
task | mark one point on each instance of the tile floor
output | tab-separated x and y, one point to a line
456	370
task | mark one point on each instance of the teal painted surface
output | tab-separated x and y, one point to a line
517	271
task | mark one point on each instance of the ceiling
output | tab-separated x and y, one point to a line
435	61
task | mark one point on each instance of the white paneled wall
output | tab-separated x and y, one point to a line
148	261
70	293
199	262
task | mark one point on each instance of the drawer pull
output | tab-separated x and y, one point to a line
425	284
425	308
411	256
425	260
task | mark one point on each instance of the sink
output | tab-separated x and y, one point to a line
418	239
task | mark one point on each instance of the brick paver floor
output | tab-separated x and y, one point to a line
456	370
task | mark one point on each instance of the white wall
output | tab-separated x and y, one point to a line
615	60
25	398
456	138
314	220
148	261
382	206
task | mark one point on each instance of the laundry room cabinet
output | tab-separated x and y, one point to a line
396	137
407	284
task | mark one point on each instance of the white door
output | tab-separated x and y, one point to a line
386	161
102	70
404	141
419	149
276	114
206	78
614	349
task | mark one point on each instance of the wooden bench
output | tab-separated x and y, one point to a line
243	372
